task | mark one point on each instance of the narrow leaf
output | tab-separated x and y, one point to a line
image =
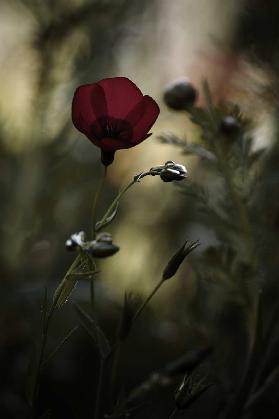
66	286
95	332
60	344
64	290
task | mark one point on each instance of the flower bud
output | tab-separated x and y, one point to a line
172	171
180	95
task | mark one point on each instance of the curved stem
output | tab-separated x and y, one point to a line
122	192
116	199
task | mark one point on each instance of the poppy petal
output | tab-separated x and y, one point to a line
121	94
88	103
151	112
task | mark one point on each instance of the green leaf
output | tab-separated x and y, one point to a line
66	286
64	290
110	217
60	344
32	373
33	368
95	332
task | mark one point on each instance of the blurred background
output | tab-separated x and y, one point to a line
49	172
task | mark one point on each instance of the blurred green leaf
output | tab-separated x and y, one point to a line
66	286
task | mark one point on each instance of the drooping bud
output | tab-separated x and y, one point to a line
180	95
169	171
173	171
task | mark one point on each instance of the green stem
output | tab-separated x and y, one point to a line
98	402
116	199
114	369
96	199
245	388
228	177
144	304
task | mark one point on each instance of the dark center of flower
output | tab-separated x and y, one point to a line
108	127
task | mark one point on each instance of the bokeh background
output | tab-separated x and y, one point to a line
49	172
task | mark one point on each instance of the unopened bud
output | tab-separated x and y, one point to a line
180	95
173	171
177	259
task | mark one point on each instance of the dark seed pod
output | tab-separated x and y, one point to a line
180	95
229	125
103	249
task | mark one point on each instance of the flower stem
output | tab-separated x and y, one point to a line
244	390
98	402
96	199
146	301
116	199
114	368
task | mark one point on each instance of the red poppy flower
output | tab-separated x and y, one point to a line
113	114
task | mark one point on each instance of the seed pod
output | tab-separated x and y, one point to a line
102	247
180	95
